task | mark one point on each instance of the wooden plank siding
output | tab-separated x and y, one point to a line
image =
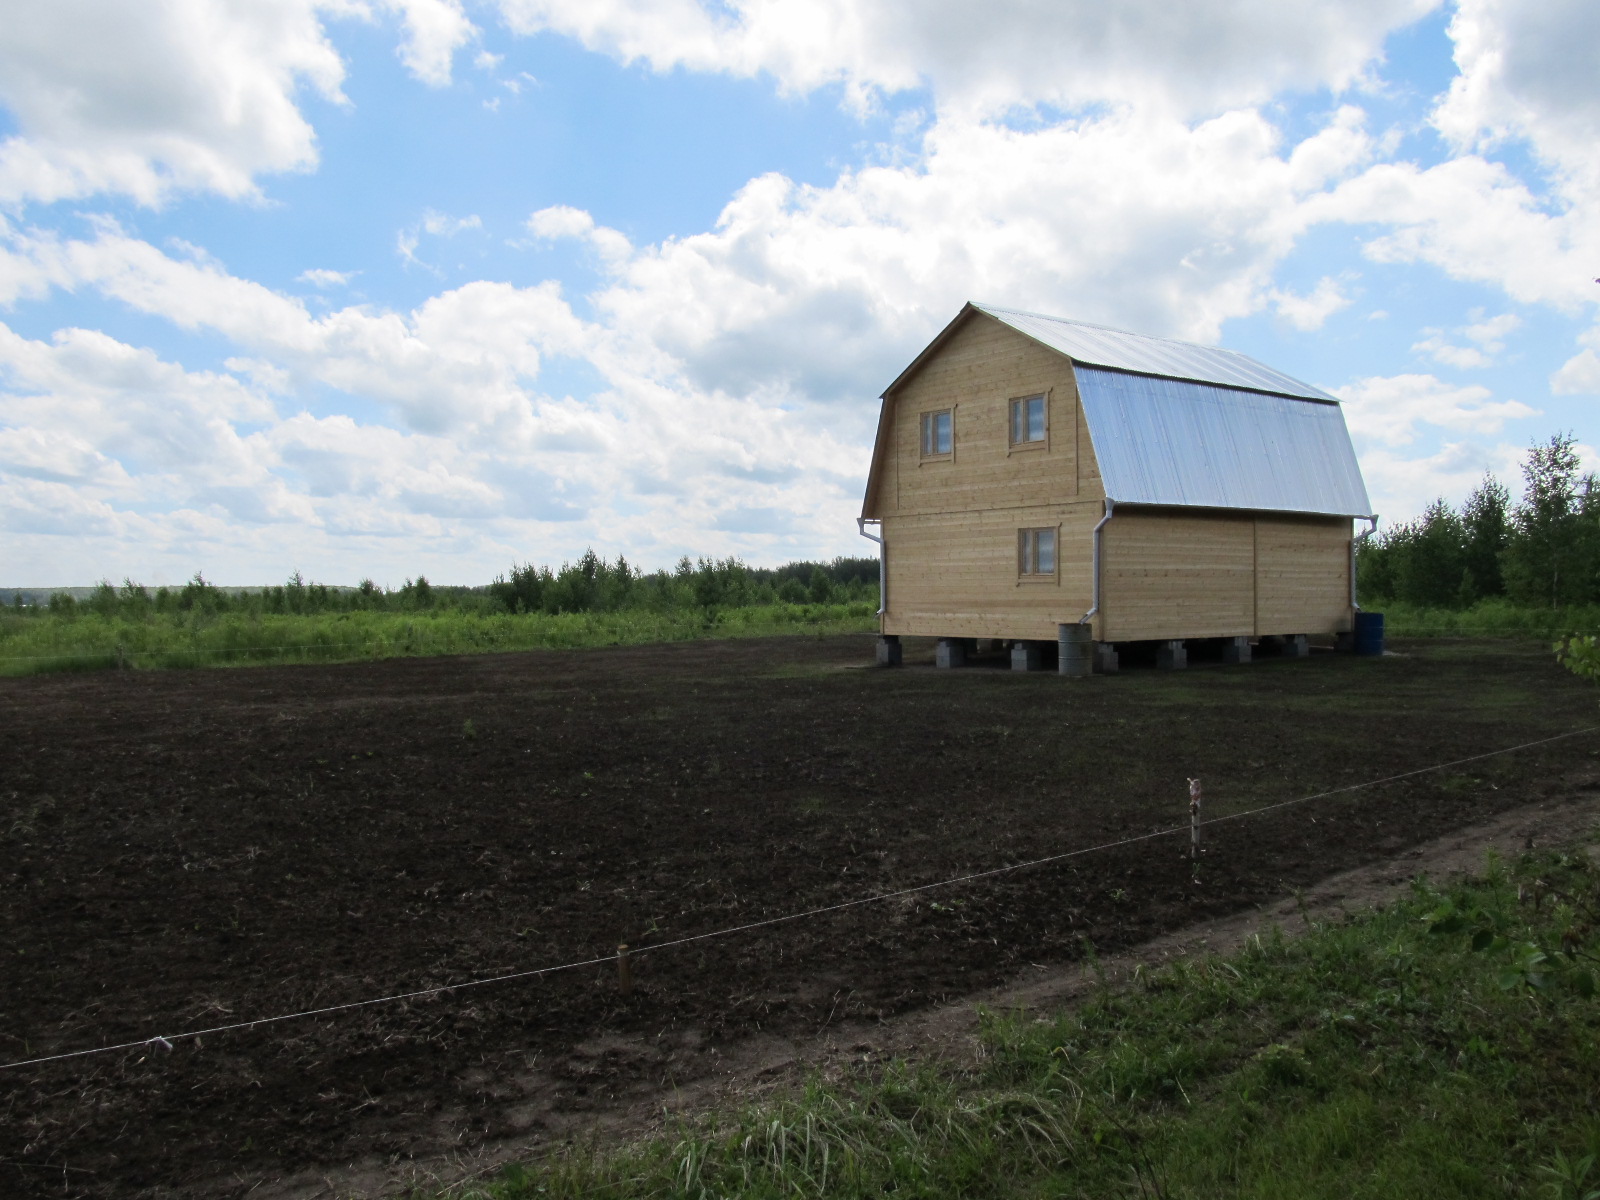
1302	574
950	525
1168	573
977	373
956	575
1171	574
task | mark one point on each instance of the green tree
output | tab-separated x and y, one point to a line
104	599
1586	543
1374	568
1540	561
294	594
821	586
201	594
1428	557
1486	524
416	594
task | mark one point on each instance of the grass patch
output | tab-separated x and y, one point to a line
46	643
1443	1047
1487	618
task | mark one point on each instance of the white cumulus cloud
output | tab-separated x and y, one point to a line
984	58
1311	310
1402	485
829	290
1487	335
1580	374
434	31
1527	70
144	99
321	277
1385	411
162	96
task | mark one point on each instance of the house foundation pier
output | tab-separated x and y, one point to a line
889	650
1172	656
950	652
1026	656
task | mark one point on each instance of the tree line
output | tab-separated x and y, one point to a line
1543	551
589	585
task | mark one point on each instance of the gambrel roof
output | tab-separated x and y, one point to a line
1099	346
1178	424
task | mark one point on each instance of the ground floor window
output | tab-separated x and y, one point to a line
1036	552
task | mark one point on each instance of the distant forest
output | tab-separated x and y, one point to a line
1539	551
590	585
1543	551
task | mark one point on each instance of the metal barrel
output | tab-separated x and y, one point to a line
1369	633
1075	651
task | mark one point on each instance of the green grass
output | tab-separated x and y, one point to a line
1487	618
1379	1057
38	644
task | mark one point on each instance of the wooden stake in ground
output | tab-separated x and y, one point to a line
1194	819
624	971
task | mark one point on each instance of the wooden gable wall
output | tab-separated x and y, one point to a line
951	524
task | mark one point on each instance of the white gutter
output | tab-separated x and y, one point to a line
1372	529
1095	607
883	578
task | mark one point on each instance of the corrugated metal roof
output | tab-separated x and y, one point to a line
1102	347
1182	442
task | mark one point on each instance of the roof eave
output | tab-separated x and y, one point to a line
1234	508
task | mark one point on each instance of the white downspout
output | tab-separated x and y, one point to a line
1371	529
883	577
1095	569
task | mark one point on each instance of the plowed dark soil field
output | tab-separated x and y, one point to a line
188	849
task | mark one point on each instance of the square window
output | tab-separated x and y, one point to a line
1027	420
1036	552
937	429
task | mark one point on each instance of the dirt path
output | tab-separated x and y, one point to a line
758	1066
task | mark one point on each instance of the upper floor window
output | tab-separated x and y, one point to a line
1028	421
938	437
1036	552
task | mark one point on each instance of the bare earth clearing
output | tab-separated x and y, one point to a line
183	849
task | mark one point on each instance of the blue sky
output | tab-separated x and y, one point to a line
373	288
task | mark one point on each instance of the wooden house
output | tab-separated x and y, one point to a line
1037	479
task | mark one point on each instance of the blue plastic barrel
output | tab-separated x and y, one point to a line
1369	633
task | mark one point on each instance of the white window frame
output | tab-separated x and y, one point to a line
1017	415
928	434
1032	544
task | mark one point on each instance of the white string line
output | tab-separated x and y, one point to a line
165	1041
1403	775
